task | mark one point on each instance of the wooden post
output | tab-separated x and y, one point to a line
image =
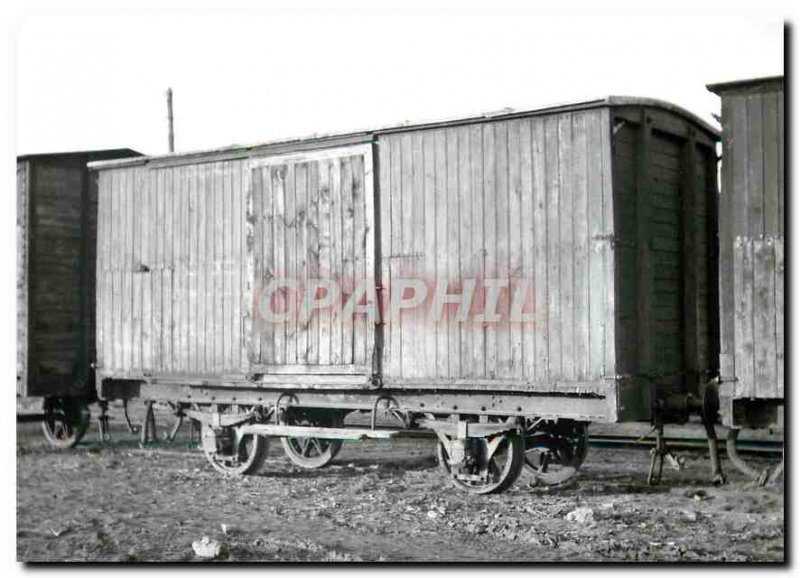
171	136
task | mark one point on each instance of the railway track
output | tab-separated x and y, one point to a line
122	438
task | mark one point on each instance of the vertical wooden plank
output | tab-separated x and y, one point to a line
501	201
106	232
150	256
566	246
644	266
404	264
581	211
726	238
466	250
478	363
179	233
220	332
157	270
739	216
609	260
259	263
597	242
170	246
418	269
527	246
191	268
691	262
516	369
387	210
779	319
755	167
210	235
301	271
227	269
371	251
541	250
138	274
119	266
325	259
772	175
407	265
187	215
396	182
291	256
490	215
250	344
279	176
268	194
128	271
22	272
236	266
429	235
203	257
452	253
314	255
781	165
745	345
121	289
764	330
361	274
335	312
350	253
553	187
23	231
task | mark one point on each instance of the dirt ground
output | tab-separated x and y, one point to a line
378	501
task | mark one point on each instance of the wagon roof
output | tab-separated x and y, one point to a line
96	155
720	87
367	134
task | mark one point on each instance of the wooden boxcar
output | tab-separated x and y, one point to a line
594	223
56	241
751	225
751	239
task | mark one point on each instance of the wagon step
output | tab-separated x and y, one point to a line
335	433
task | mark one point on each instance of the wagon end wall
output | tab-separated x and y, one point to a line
752	264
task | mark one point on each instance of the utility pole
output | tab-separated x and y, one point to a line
171	135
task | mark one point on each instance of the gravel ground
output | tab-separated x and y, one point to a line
378	501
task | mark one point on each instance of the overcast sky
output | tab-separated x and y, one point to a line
88	81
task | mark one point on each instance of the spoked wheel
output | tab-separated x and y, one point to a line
231	452
762	475
312	453
65	422
491	465
555	452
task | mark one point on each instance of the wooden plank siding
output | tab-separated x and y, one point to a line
520	202
664	175
56	237
580	239
751	235
313	221
171	270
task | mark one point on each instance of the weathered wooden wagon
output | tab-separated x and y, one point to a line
751	256
56	241
501	280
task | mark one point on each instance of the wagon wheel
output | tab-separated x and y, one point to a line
765	475
312	453
231	452
65	422
553	454
497	463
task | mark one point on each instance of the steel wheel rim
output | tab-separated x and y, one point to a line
554	457
510	447
312	452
